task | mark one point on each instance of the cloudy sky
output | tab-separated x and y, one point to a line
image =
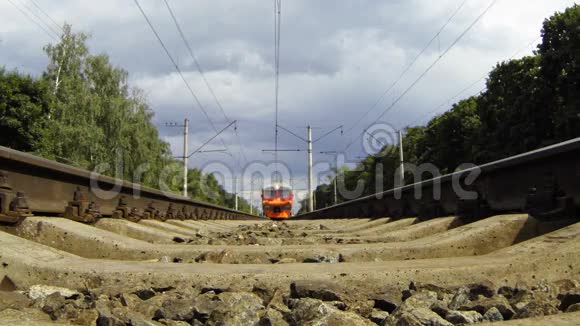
336	59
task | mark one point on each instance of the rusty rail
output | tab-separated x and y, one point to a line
33	185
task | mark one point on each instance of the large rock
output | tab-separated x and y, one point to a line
568	299
546	288
148	308
460	298
464	317
216	257
113	309
521	297
386	302
43	291
440	308
52	304
485	288
145	294
441	291
378	316
307	311
415	317
107	317
176	309
237	309
493	315
482	305
272	317
264	292
423	299
331	258
13	300
86	317
359	306
322	290
573	308
536	309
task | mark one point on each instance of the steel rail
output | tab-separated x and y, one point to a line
518	183
41	186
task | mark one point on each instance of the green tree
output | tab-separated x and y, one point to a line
513	111
24	106
448	138
560	70
96	117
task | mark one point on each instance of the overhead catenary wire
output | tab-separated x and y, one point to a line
277	27
212	138
203	77
42	20
449	100
176	66
396	82
46	15
436	109
416	81
50	34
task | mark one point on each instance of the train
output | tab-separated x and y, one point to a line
277	202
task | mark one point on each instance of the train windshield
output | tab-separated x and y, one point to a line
285	192
269	192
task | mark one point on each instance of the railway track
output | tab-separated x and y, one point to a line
340	266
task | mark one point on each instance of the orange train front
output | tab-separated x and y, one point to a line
277	202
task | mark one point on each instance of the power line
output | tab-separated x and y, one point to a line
372	107
196	62
33	21
398	99
47	15
422	117
328	133
39	18
212	138
436	109
277	27
202	74
179	71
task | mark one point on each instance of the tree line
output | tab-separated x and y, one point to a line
528	103
82	111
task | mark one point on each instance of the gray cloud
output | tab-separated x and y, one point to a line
337	58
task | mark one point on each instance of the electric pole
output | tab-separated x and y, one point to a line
235	193
401	175
402	166
308	140
185	158
252	197
310	195
335	196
